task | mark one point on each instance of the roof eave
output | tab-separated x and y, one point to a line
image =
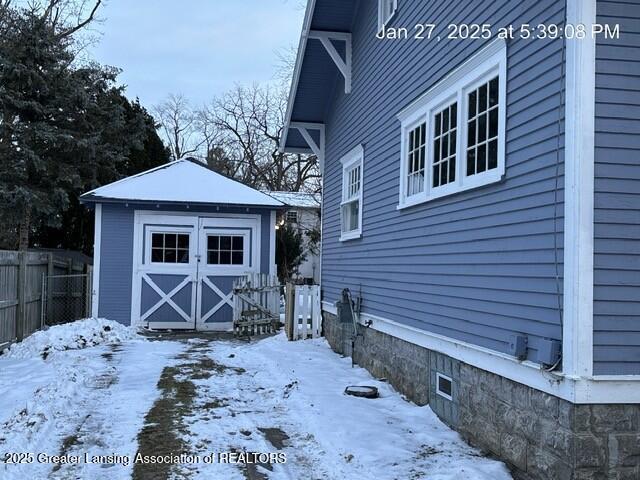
302	47
93	199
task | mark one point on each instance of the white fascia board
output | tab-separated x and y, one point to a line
272	244
577	341
573	389
302	47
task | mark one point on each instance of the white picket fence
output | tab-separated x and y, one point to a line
303	318
256	304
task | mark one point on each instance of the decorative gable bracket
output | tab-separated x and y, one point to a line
343	64
317	147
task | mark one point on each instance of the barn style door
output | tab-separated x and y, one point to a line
166	272
228	248
185	268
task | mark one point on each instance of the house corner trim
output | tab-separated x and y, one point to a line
577	338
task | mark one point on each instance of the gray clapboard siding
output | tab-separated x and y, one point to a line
617	193
116	263
476	266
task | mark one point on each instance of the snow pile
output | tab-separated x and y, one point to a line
71	336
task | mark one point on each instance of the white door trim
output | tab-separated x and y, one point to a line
97	247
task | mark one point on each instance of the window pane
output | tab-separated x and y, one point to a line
473	98
471	133
493	154
452	171
157	240
238	243
213	242
482	98
482	127
183	256
170	256
493	92
225	257
454	115
225	243
353	216
452	142
445	120
436	175
493	123
482	158
237	258
437	122
156	255
170	240
471	161
183	241
212	258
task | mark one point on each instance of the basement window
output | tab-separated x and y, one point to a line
444	386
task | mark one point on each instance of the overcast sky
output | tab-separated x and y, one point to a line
196	47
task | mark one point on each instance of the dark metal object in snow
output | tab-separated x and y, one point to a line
362	391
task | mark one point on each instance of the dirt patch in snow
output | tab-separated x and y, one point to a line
275	436
164	430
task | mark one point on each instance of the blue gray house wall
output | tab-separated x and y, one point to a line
476	266
116	251
616	338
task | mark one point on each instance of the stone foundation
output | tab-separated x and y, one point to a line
540	437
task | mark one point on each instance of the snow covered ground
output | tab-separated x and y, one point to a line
101	389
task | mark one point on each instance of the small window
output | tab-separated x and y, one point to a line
169	248
225	250
386	10
351	206
292	216
444	386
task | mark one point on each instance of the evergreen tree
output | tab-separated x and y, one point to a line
63	129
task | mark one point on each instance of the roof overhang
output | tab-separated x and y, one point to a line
323	64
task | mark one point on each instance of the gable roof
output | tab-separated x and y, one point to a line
181	181
297	199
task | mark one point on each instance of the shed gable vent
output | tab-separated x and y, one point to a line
444	386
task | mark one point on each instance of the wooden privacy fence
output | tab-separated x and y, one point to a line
36	289
303	318
256	304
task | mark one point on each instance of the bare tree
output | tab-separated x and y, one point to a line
248	123
180	125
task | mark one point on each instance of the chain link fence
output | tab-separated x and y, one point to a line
66	298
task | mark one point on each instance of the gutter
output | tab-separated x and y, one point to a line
302	47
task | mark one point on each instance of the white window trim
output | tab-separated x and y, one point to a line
227	268
169	230
440	392
490	61
384	21
351	159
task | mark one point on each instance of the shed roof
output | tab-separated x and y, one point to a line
181	181
297	199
